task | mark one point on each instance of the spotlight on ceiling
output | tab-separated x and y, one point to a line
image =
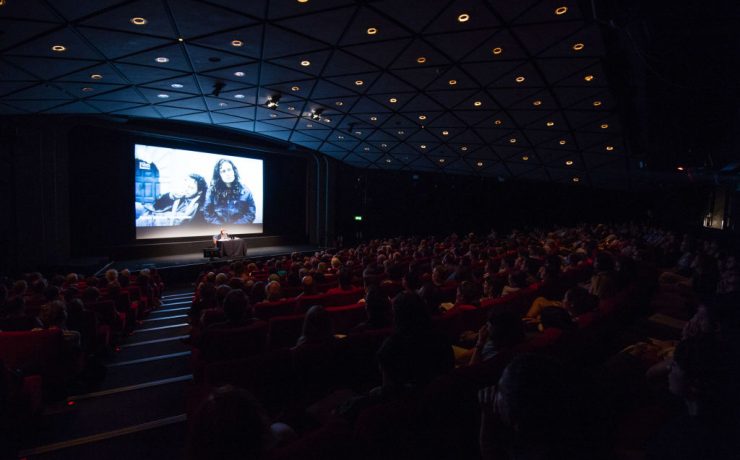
316	114
273	101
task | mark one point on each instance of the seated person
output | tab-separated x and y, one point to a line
378	310
345	283
317	328
517	281
576	301
16	319
176	207
309	287
54	316
238	311
230	424
273	292
556	318
502	331
220	236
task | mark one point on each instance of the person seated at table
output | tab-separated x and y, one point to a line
221	236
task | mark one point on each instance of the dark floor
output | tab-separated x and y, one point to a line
138	410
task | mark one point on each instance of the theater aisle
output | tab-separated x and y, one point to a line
138	410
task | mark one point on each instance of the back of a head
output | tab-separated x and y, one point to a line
236	305
556	317
410	313
377	305
317	325
411	280
345	279
534	392
229	425
53	314
505	329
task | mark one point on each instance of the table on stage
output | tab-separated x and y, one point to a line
232	248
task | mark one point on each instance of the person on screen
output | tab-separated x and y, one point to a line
228	201
177	207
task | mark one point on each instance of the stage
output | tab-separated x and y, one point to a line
190	263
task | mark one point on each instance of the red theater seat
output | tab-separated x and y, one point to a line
346	317
267	310
284	331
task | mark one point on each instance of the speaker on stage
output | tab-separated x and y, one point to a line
211	252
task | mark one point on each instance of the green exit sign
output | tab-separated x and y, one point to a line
358	218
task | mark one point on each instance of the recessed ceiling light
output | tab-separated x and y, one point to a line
609	148
588	77
309	125
550	124
59	48
239	74
373	118
367	149
180	39
222	104
441	160
597	103
339	103
577	46
237	43
163	96
384	145
569	162
162	59
497	50
96	76
302	1
393	100
477	103
401	132
519	79
138	21
387	160
512	140
421	59
422	117
561	10
273	115
372	31
562	142
340	137
290	107
497	122
464	148
359	82
305	63
537	103
359	133
525	158
445	133
295	88
239	96
480	163
604	125
680	168
575	179
463	17
452	82
87	89
177	85
423	146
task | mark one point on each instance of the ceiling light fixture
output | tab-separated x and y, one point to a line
239	74
575	179
393	100
96	76
372	31
373	118
239	96
384	145
441	160
609	148
177	85
464	148
604	125
180	39
452	82
577	46
562	142
137	21
87	89
422	117
273	115
477	103
237	43
423	146
309	125
295	88
316	114
480	164
339	103
421	59
597	103
387	160
162	59
305	63
561	10
273	101
537	103
402	132
525	158
163	95
367	149
550	124
302	1
290	107
569	162
222	104
498	50
680	168
465	17
59	48
589	78
359	82
512	140
497	122
445	133
519	79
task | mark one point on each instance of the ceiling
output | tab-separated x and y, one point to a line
515	90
